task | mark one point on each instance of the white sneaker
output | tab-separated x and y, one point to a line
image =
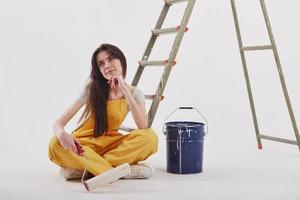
71	174
140	171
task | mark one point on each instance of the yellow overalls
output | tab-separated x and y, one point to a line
109	150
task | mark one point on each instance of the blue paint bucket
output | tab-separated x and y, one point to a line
185	141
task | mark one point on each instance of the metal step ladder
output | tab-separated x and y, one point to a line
170	61
272	47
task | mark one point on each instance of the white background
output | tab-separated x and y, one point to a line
45	52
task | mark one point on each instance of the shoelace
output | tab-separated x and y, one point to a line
137	171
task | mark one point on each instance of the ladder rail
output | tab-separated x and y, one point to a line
246	74
172	56
150	44
280	72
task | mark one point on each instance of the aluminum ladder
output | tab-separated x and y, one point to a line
272	47
170	61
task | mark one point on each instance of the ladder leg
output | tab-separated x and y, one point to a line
236	22
279	68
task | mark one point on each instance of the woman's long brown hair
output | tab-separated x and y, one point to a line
98	88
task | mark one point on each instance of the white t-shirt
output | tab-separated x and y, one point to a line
136	93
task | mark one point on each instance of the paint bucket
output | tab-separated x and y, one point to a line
185	141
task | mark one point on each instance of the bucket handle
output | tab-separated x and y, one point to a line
185	108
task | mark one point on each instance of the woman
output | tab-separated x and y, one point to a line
97	142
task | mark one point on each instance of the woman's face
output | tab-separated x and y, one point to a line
108	65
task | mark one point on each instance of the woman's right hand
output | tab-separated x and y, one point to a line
68	142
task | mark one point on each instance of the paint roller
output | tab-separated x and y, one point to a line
105	177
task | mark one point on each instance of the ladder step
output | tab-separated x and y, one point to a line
155	63
167	30
152	96
254	48
277	139
171	2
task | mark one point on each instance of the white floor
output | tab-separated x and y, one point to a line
233	169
